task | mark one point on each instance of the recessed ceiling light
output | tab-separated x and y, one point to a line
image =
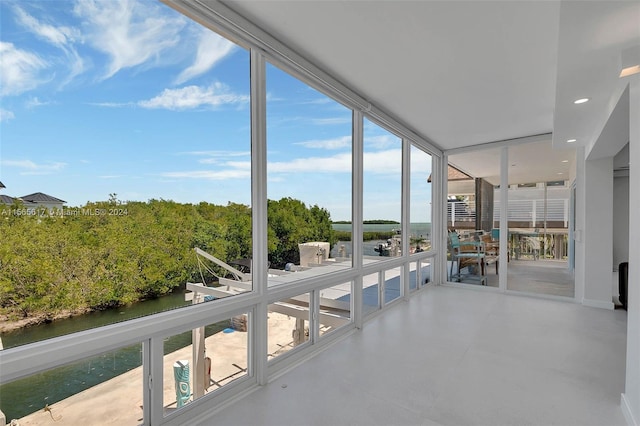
581	100
565	161
560	173
571	140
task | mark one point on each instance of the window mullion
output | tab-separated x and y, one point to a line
356	212
259	268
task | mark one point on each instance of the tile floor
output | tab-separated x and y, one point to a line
454	356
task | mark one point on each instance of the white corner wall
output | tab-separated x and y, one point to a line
630	402
620	220
620	227
598	231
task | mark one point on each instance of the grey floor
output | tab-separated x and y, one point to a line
549	277
453	356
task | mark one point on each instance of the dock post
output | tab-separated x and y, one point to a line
198	349
198	363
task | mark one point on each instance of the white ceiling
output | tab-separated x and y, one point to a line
528	163
463	73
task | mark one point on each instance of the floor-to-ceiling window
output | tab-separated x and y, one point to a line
382	182
539	196
473	178
169	139
309	146
420	215
537	217
127	149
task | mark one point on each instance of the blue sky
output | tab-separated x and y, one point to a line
131	97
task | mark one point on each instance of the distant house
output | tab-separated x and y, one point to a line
34	201
5	199
40	200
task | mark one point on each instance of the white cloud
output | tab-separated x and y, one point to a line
62	37
319	101
211	49
35	102
328	121
336	143
191	97
6	115
112	104
129	32
31	168
340	163
383	162
59	36
19	70
381	141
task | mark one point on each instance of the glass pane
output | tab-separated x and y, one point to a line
335	307
419	274
382	193
288	322
392	284
203	360
370	293
309	180
425	272
103	389
413	276
132	160
420	201
471	180
539	221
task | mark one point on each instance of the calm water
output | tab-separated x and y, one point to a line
22	397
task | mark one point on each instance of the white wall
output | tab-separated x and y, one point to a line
580	208
631	398
620	220
598	243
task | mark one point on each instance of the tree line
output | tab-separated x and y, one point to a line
107	254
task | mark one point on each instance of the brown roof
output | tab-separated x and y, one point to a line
454	174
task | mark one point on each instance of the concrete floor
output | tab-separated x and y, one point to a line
453	356
550	277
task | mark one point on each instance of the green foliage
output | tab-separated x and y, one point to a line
290	223
106	254
377	235
342	235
